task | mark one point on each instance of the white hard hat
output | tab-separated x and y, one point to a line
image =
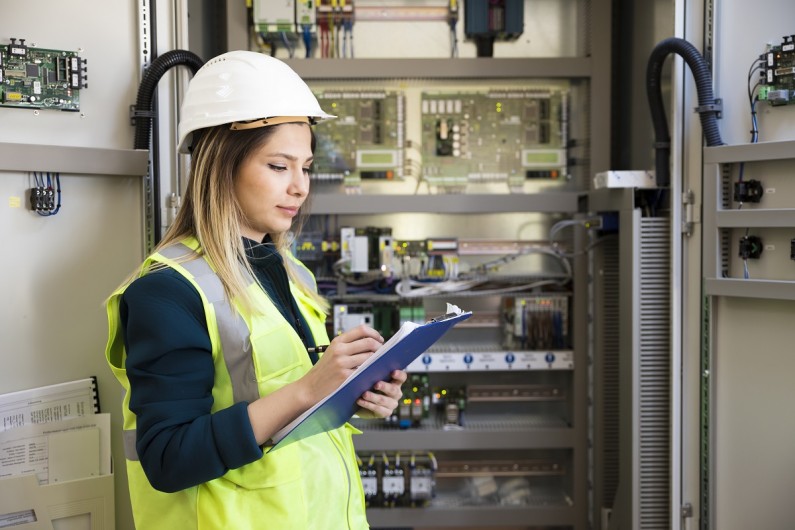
242	86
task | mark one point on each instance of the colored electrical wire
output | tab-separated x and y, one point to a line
347	36
287	44
307	35
753	98
453	38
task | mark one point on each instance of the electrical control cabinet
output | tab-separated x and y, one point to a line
470	171
440	181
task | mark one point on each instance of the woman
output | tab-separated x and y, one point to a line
213	338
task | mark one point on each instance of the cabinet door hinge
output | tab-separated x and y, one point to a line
686	513
690	212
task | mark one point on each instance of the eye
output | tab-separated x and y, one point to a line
308	170
277	167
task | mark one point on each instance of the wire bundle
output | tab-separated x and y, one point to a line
753	98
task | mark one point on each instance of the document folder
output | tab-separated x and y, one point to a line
398	352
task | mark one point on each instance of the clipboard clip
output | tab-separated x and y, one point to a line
452	312
444	317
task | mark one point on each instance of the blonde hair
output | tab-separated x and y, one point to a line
211	213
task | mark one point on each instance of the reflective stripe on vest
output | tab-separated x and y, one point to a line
305	276
232	329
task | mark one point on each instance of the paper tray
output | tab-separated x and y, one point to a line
77	504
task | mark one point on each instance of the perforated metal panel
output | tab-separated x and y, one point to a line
611	324
653	384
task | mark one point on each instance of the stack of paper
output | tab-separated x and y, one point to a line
55	433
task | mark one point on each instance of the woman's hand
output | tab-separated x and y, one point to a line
383	399
342	357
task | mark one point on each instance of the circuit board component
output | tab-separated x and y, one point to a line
779	73
365	142
40	78
493	136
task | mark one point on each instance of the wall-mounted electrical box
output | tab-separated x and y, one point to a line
485	22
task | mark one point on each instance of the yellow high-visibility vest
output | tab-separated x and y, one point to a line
311	484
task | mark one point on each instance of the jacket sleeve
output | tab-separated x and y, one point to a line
180	442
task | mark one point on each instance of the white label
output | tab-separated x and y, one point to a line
770	247
486	361
788	47
770	190
17	518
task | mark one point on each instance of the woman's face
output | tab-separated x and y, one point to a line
274	181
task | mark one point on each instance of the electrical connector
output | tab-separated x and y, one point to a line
750	247
604	222
748	191
36	199
593	223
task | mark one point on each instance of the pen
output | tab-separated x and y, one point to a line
318	349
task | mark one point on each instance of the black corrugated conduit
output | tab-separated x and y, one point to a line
143	109
146	91
708	107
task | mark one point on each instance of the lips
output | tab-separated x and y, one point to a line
292	211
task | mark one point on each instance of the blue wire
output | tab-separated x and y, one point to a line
58	191
308	40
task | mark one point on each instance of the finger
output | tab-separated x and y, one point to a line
399	377
378	404
366	344
389	389
360	332
349	361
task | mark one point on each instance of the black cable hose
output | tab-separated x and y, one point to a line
146	91
143	104
709	125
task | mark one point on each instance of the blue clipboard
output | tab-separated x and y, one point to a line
339	406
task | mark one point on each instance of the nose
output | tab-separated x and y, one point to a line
299	184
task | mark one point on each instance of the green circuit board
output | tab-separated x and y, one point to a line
366	140
40	78
779	74
493	136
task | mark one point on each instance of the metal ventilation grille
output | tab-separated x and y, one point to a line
706	460
725	204
611	329
654	375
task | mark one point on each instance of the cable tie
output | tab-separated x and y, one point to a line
716	107
137	113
